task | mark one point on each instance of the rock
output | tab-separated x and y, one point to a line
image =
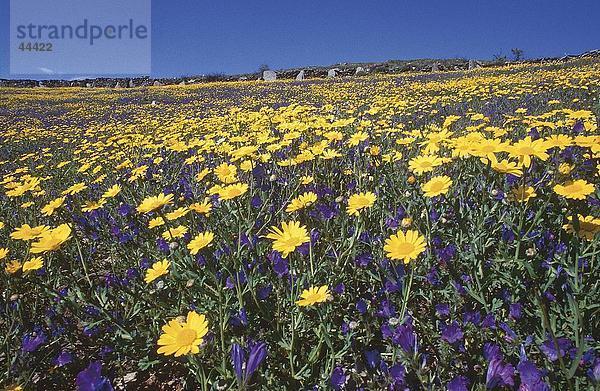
118	85
182	83
473	64
88	85
359	71
153	103
300	75
131	84
157	83
269	76
332	73
243	78
435	67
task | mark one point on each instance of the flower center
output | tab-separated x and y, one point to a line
405	248
186	336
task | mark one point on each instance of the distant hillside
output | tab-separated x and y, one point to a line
309	72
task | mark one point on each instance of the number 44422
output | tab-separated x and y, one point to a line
35	47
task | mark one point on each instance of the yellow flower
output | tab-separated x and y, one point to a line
12	267
1	224
177	213
421	164
306	179
182	338
357	138
289	237
313	295
575	190
202	207
156	222
49	209
589	226
76	188
113	191
526	148
158	269
232	191
176	232
25	232
360	201
436	186
152	203
3	253
202	174
200	241
506	167
302	201
33	264
52	240
93	205
226	173
403	246
522	193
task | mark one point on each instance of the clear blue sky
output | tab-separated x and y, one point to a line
198	36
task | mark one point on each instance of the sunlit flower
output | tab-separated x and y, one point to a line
404	246
200	241
173	233
203	207
76	188
436	186
112	192
49	209
313	295
158	269
527	148
25	232
576	190
51	240
302	201
589	226
289	237
12	267
93	205
522	193
177	213
226	173
232	191
180	338
33	264
152	203
360	201
506	167
422	164
3	253
156	222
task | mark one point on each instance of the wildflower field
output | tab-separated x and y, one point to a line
419	231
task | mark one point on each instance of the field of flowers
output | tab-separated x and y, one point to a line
424	231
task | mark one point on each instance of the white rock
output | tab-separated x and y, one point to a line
269	76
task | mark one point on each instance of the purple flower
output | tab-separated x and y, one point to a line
459	383
91	379
63	358
548	348
405	337
33	341
531	377
491	351
442	310
594	372
363	260
372	358
499	374
516	311
338	378
258	353
361	306
397	373
452	333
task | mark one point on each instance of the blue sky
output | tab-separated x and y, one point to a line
200	37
